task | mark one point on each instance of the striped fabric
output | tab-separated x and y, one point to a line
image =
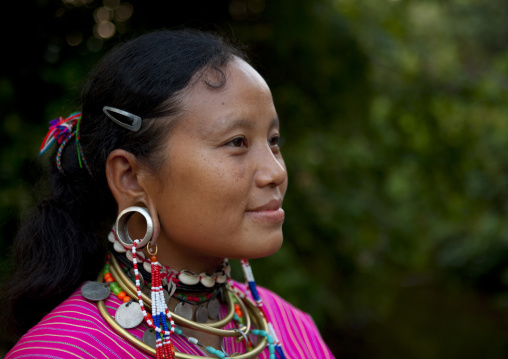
75	329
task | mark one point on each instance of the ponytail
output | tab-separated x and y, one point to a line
61	244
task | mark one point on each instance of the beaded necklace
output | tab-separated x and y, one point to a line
192	299
184	279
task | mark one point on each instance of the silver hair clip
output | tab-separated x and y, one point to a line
136	120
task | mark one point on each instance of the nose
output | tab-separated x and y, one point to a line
271	170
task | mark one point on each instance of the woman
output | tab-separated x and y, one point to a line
178	140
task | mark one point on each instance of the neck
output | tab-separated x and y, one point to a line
186	259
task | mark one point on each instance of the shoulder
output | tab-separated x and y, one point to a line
295	328
74	329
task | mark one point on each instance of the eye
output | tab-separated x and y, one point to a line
237	142
274	141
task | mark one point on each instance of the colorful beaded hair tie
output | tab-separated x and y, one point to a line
61	130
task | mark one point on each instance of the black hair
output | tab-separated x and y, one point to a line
63	242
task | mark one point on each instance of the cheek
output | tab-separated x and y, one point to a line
208	204
209	187
227	188
225	172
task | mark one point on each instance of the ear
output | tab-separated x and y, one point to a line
124	176
122	173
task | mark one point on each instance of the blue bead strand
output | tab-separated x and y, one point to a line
220	354
251	285
216	352
269	339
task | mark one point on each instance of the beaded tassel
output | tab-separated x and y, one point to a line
251	285
160	311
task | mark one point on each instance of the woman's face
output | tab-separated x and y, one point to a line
224	179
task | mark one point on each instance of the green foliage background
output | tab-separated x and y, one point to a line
394	114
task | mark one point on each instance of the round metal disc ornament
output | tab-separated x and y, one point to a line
122	232
184	310
213	308
129	315
202	314
149	337
95	291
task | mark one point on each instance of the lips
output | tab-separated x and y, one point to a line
271	205
269	213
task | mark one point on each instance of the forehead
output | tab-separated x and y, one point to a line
245	96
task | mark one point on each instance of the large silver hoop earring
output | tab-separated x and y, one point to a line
122	232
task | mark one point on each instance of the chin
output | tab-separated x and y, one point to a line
264	249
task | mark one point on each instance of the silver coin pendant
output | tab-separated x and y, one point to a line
129	315
149	337
95	291
213	308
184	310
202	314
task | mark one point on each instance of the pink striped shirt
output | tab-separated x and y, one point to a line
76	329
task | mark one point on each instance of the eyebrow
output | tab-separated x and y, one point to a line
234	124
237	123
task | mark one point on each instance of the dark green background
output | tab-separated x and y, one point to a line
395	119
